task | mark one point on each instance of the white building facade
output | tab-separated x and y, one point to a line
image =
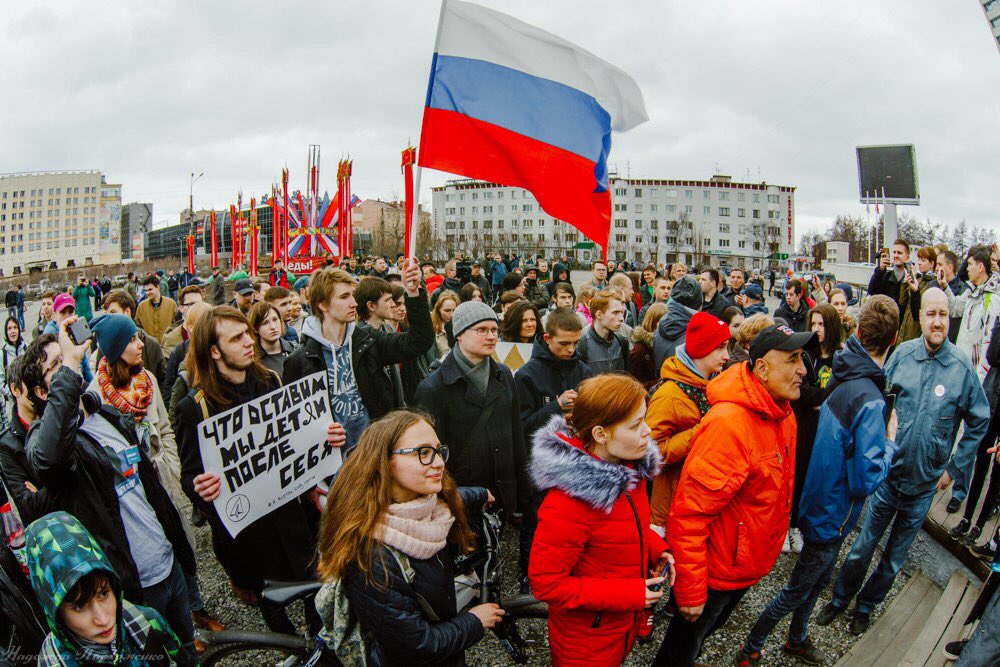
992	10
701	223
58	219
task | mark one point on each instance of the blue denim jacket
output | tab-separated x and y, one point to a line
934	394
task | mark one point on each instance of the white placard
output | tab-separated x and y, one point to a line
270	450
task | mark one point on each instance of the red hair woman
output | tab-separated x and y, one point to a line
594	558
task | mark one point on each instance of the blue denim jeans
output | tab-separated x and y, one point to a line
170	598
811	574
906	514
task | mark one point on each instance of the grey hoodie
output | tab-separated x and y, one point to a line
348	409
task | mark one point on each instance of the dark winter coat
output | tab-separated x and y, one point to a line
806	409
16	471
371	351
541	381
448	285
797	320
593	547
716	304
216	295
79	474
670	332
496	456
400	631
557	271
279	545
884	281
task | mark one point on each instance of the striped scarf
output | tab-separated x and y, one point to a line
134	399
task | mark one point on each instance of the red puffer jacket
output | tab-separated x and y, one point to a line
593	547
730	512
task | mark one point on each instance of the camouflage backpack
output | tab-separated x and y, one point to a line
341	631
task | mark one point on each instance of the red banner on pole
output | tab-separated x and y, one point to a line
190	248
213	239
252	238
347	210
409	159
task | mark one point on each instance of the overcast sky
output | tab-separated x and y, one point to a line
784	91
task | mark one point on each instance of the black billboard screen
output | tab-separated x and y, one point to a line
893	168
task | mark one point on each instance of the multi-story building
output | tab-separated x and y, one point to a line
992	10
137	220
383	223
58	219
711	222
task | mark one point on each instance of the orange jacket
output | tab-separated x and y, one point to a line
672	415
730	512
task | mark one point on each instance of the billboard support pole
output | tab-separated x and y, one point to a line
890	224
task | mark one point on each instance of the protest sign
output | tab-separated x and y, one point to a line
513	355
269	451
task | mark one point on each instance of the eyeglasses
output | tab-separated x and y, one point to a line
483	332
426	453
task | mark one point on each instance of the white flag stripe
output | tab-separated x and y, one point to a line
472	31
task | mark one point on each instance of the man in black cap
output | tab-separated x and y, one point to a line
243	295
730	513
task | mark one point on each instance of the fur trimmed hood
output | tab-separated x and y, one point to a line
559	461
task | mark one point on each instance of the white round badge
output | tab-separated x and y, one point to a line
939	390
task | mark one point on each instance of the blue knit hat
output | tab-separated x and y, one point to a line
113	333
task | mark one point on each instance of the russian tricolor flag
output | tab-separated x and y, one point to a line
510	103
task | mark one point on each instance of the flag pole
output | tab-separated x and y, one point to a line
412	241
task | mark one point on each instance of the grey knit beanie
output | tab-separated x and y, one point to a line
469	314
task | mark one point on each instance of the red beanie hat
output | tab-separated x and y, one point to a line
705	332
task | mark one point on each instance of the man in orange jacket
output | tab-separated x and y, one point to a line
730	513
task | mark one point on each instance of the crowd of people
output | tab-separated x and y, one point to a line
666	440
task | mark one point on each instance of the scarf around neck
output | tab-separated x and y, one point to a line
134	399
418	528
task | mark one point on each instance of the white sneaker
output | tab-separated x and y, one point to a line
786	548
796	540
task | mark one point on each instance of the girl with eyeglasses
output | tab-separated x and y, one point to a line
393	505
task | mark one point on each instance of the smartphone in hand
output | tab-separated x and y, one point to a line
666	578
79	331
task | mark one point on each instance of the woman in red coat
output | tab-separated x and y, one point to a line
594	556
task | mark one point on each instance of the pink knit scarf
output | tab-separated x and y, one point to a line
418	528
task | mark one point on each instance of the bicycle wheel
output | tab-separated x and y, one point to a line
229	649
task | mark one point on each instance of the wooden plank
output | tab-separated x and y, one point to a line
936	622
901	642
867	652
955	625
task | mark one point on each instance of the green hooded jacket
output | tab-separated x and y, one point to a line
60	553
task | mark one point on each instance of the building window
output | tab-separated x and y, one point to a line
756	198
723	243
526	207
707	243
724	211
724	195
621	192
689	194
741	244
741	213
756	213
707	210
772	199
620	207
638	208
621	238
654	224
723	227
652	208
706	194
672	208
638	224
741	196
689	209
638	192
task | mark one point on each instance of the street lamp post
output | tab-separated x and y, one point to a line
194	179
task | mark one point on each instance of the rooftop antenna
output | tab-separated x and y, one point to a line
716	168
628	170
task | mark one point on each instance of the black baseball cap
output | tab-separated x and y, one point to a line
779	337
243	286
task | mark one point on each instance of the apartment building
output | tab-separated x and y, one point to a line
710	223
58	219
